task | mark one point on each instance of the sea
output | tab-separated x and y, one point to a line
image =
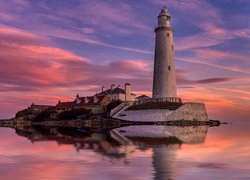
138	152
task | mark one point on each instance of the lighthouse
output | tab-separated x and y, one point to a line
164	81
166	106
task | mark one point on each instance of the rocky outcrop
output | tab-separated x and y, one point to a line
189	111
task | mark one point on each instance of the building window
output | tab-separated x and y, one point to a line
167	34
172	47
169	68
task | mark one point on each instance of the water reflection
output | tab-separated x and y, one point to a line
122	142
131	152
165	141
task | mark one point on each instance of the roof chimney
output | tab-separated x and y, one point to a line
112	87
103	88
127	92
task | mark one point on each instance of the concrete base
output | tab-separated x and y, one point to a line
188	111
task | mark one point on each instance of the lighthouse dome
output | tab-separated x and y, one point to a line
164	12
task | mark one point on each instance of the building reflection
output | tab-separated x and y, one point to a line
122	142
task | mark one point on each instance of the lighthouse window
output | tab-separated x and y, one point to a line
167	34
172	47
169	68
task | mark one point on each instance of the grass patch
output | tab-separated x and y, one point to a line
156	105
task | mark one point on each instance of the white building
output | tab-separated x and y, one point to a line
117	93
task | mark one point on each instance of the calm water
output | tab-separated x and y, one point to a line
135	152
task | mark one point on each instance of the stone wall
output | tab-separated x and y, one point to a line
188	111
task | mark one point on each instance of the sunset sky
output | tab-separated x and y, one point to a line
51	50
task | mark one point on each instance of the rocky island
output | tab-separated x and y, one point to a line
116	106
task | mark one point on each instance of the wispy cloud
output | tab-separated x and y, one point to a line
204	62
211	36
85	38
212	80
114	17
89	23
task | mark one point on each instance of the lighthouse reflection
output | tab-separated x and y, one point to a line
165	142
120	143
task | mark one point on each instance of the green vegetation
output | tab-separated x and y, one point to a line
22	113
73	114
113	104
156	105
45	114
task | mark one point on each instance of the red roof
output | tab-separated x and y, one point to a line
64	105
143	96
90	100
41	106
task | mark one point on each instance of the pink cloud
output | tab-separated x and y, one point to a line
30	65
37	63
108	17
87	30
133	64
210	36
214	30
242	33
32	69
50	53
5	30
21	43
217	54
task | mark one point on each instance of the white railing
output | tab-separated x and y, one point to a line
166	99
117	109
120	107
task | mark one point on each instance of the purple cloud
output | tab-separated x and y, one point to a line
212	80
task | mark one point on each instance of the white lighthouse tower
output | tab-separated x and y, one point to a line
164	82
